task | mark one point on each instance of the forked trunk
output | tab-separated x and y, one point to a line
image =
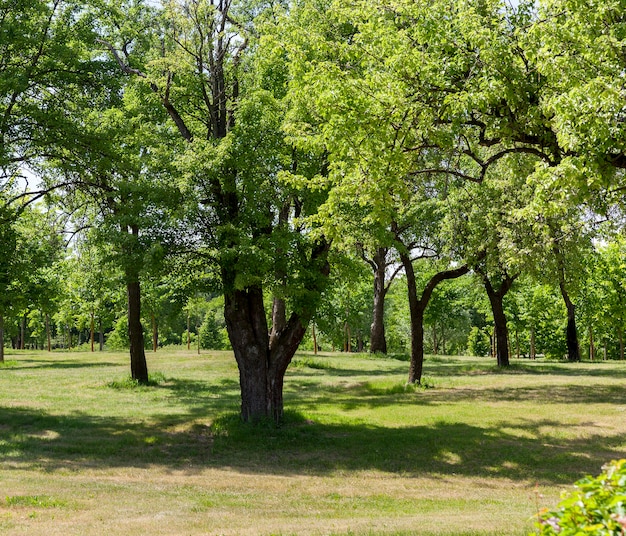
417	307
138	365
261	367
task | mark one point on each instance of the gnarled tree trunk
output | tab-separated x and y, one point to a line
417	307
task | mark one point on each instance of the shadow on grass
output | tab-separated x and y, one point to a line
531	451
454	366
23	363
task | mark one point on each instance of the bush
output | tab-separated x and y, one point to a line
598	506
478	343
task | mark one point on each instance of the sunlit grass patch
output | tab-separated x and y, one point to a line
155	379
35	501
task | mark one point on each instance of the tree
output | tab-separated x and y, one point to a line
189	58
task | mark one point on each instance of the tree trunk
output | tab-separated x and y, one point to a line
496	300
435	349
23	333
314	339
416	311
620	333
138	365
517	351
101	334
261	369
1	338
378	340
92	331
188	330
279	319
571	334
573	350
48	335
347	345
155	334
533	350
592	348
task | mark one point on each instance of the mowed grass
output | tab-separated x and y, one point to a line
84	452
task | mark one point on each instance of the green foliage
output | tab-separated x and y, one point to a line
478	343
598	506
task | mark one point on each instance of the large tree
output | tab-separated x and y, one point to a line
201	63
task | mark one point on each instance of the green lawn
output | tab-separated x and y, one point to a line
83	452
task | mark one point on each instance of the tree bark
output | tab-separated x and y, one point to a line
188	330
138	365
314	339
416	311
533	351
262	365
155	333
261	371
48	335
378	340
23	333
496	300
279	319
592	347
571	334
101	334
92	331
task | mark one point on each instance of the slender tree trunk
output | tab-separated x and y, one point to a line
592	348
434	333
416	311
48	335
443	339
378	340
138	365
573	350
1	338
92	331
533	350
501	333
620	334
517	350
188	330
314	338
155	333
23	333
347	344
101	334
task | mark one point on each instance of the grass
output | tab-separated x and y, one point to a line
83	450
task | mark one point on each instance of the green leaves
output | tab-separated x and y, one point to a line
598	506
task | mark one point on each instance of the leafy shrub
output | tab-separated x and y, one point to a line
597	507
478	343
